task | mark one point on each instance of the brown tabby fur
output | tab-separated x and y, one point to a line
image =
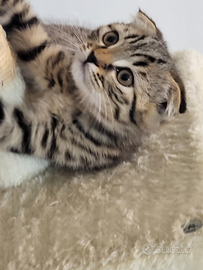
75	112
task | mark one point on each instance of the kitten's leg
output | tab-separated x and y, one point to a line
42	65
33	129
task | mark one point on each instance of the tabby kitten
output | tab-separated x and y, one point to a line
90	95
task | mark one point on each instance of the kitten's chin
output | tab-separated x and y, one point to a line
86	97
79	73
79	70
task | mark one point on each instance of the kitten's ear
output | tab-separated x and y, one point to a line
144	21
178	80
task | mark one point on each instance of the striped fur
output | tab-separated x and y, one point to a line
78	110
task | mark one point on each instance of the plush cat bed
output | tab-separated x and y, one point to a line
143	214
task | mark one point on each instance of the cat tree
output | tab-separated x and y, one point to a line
143	214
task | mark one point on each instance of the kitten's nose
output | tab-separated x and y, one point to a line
92	59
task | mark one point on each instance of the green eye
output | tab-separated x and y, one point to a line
110	38
125	77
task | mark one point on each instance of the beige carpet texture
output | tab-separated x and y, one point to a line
143	214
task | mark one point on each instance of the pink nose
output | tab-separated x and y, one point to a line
103	56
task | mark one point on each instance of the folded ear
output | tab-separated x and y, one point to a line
178	80
144	21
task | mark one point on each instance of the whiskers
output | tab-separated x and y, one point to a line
72	42
75	31
65	47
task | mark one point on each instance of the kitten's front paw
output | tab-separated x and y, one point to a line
5	11
9	8
4	3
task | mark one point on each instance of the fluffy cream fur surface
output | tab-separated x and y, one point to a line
131	217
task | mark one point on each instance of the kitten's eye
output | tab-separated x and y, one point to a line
125	77
110	38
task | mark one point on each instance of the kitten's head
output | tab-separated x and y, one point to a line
125	75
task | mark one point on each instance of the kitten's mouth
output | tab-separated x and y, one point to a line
82	66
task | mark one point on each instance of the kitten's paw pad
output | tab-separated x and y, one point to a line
7	59
2	33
